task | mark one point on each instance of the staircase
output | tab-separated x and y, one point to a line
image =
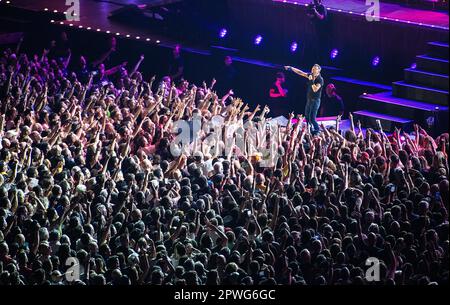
422	97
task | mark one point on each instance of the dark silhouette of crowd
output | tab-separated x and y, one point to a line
87	174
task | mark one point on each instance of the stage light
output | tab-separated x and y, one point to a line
223	33
376	61
258	40
413	66
334	53
294	47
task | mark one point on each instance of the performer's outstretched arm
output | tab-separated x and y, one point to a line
297	71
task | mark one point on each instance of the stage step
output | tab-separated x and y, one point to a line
419	111
438	49
420	93
368	86
368	119
432	64
433	80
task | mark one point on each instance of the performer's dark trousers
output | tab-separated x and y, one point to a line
312	107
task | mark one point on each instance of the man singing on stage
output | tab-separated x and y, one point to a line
315	86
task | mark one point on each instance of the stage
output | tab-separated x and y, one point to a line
404	38
388	12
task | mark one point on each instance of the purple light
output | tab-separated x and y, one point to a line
334	53
258	40
294	47
376	61
223	33
413	66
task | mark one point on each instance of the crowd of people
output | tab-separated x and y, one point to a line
87	175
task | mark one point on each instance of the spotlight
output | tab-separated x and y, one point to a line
223	33
413	66
258	40
376	61
334	53
294	47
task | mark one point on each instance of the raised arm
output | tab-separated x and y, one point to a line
115	69
102	58
297	71
138	64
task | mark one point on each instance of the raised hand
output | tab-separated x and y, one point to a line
378	122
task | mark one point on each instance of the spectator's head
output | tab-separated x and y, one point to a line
280	77
228	61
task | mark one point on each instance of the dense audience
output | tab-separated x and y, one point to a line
87	172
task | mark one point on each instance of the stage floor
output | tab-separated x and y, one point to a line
94	16
390	11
